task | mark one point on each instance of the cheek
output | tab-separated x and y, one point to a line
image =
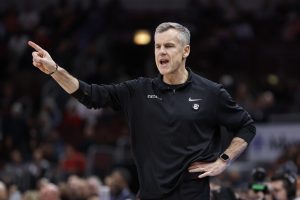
156	61
177	58
155	58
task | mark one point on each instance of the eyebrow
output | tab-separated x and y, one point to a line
167	43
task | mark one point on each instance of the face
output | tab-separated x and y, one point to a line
170	52
278	190
118	183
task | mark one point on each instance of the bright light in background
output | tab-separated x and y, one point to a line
142	37
273	79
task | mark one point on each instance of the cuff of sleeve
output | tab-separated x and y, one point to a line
82	91
247	133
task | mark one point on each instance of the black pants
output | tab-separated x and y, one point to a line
191	188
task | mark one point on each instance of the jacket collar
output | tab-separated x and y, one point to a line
158	81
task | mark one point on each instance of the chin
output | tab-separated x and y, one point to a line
163	70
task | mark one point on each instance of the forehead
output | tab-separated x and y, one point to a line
171	35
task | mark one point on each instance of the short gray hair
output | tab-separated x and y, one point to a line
184	33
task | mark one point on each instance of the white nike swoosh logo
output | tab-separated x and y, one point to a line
190	99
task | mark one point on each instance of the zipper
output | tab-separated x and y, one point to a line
173	90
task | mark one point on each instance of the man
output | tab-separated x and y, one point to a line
283	186
174	119
118	182
3	191
49	191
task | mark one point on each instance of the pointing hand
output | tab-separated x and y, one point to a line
42	60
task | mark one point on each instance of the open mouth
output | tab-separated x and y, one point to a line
164	61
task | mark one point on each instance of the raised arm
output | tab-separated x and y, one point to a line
42	60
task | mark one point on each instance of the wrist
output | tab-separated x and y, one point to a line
56	68
225	158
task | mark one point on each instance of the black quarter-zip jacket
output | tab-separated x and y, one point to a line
170	128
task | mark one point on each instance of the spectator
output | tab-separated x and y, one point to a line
118	182
94	185
14	193
38	167
73	162
283	186
15	172
49	192
3	191
78	189
31	195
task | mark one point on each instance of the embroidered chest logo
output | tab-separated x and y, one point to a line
191	100
196	106
153	96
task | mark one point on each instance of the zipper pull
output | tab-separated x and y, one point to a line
174	91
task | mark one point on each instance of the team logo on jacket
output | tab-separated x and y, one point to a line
153	96
196	106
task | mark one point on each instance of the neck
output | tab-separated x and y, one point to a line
178	77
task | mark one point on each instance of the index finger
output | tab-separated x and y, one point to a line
35	46
205	174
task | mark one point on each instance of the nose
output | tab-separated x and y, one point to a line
162	50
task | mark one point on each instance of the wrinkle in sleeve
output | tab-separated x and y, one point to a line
95	96
234	117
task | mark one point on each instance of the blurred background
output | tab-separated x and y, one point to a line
251	47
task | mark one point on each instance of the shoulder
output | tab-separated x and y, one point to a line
140	81
201	81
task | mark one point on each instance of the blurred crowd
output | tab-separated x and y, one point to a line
49	142
279	180
32	180
74	188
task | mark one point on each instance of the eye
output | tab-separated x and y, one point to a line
169	45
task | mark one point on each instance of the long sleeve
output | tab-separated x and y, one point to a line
234	117
95	96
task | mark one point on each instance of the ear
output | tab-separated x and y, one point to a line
186	51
